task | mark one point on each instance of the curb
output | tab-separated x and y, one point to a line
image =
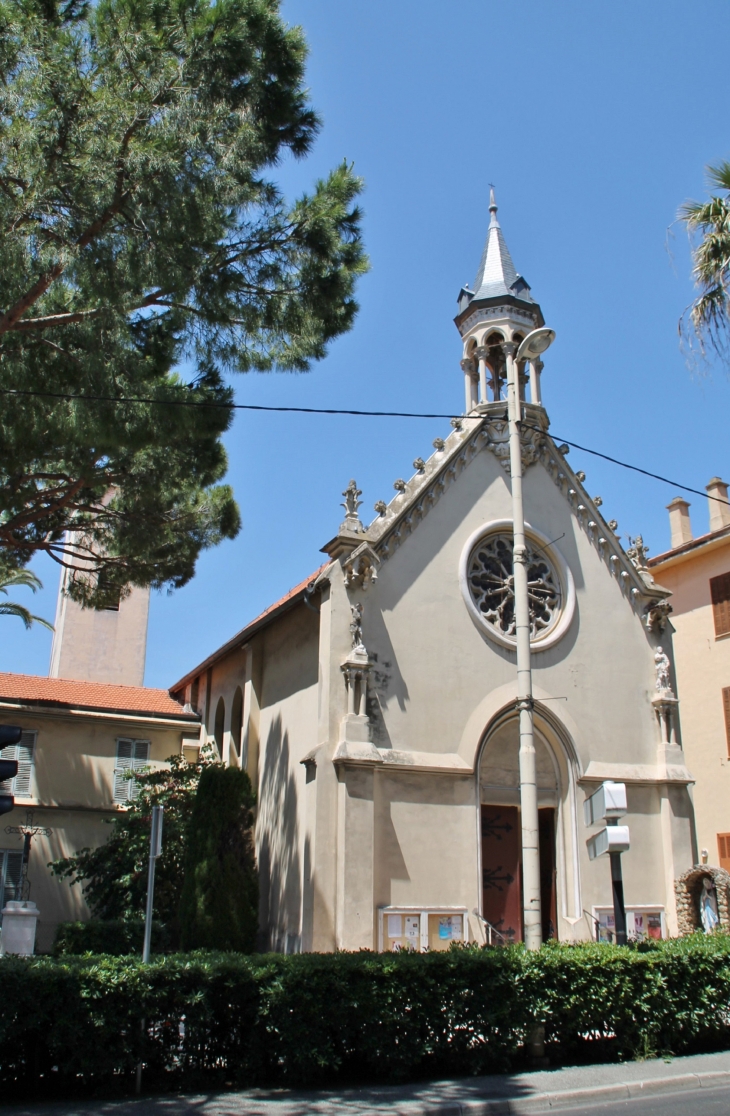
576	1098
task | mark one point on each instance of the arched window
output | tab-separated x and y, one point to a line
220	718
237	724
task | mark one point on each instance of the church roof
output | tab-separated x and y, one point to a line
293	597
497	275
32	689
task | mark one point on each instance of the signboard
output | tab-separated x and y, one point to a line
642	922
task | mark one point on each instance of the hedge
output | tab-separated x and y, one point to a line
116	936
74	1024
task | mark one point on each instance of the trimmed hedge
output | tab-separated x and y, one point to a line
119	937
213	1020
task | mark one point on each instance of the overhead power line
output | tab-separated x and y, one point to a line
343	411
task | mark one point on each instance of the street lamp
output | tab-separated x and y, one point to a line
533	345
608	804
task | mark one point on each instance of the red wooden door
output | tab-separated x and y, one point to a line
502	903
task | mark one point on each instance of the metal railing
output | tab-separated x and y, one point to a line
491	931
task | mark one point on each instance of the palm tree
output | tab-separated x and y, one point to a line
8	580
709	314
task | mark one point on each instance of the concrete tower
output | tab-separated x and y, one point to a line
105	646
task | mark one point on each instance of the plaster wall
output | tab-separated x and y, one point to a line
104	646
703	669
287	733
434	671
72	794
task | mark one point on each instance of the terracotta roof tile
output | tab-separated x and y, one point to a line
89	695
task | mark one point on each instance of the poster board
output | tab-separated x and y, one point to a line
642	922
421	928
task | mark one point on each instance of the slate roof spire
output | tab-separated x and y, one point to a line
497	275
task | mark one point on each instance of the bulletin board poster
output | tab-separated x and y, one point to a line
402	931
640	925
443	929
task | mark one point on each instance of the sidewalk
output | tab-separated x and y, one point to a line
508	1095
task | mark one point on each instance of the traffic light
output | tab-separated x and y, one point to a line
9	734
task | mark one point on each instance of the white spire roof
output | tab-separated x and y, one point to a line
497	275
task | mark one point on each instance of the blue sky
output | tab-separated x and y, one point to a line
595	122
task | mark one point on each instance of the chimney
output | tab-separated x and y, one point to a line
719	513
679	523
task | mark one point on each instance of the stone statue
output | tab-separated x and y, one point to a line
356	628
709	916
351	505
661	663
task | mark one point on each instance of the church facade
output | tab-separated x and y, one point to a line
375	706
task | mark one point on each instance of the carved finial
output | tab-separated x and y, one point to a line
581	476
662	666
351	505
356	628
399	485
381	507
565	450
419	465
637	552
438	444
598	500
613	524
457	423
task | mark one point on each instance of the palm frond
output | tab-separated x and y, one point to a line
11	608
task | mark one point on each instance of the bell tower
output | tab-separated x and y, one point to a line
499	312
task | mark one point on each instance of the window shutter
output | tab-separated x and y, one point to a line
21	782
11	865
720	594
20	786
726	711
723	848
123	764
132	755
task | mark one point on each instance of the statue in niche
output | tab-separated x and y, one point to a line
709	916
356	628
662	665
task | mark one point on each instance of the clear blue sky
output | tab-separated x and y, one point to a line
595	122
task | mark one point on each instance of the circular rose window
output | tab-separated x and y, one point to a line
488	585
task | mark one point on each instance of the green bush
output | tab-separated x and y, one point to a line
116	936
213	1019
219	906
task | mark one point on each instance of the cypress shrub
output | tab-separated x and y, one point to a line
220	895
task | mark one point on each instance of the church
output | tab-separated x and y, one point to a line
375	706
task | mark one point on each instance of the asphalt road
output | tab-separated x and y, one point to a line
698	1102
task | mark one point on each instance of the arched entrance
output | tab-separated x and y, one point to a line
500	827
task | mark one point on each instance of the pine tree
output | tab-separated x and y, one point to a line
140	232
219	905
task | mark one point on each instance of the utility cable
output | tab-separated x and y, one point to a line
342	411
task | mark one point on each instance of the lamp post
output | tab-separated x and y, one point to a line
608	804
533	345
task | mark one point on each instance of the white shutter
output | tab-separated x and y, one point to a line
24	753
132	755
123	764
139	762
11	865
26	750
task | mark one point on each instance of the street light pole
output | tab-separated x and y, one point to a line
534	344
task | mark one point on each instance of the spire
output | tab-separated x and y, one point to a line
497	275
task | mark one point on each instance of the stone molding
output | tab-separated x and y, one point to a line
647	773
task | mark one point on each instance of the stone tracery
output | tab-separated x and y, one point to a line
491	584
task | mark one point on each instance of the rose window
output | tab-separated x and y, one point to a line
490	577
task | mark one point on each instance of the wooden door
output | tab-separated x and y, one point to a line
502	902
546	828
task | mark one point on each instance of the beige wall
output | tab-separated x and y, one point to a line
703	669
72	793
104	646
